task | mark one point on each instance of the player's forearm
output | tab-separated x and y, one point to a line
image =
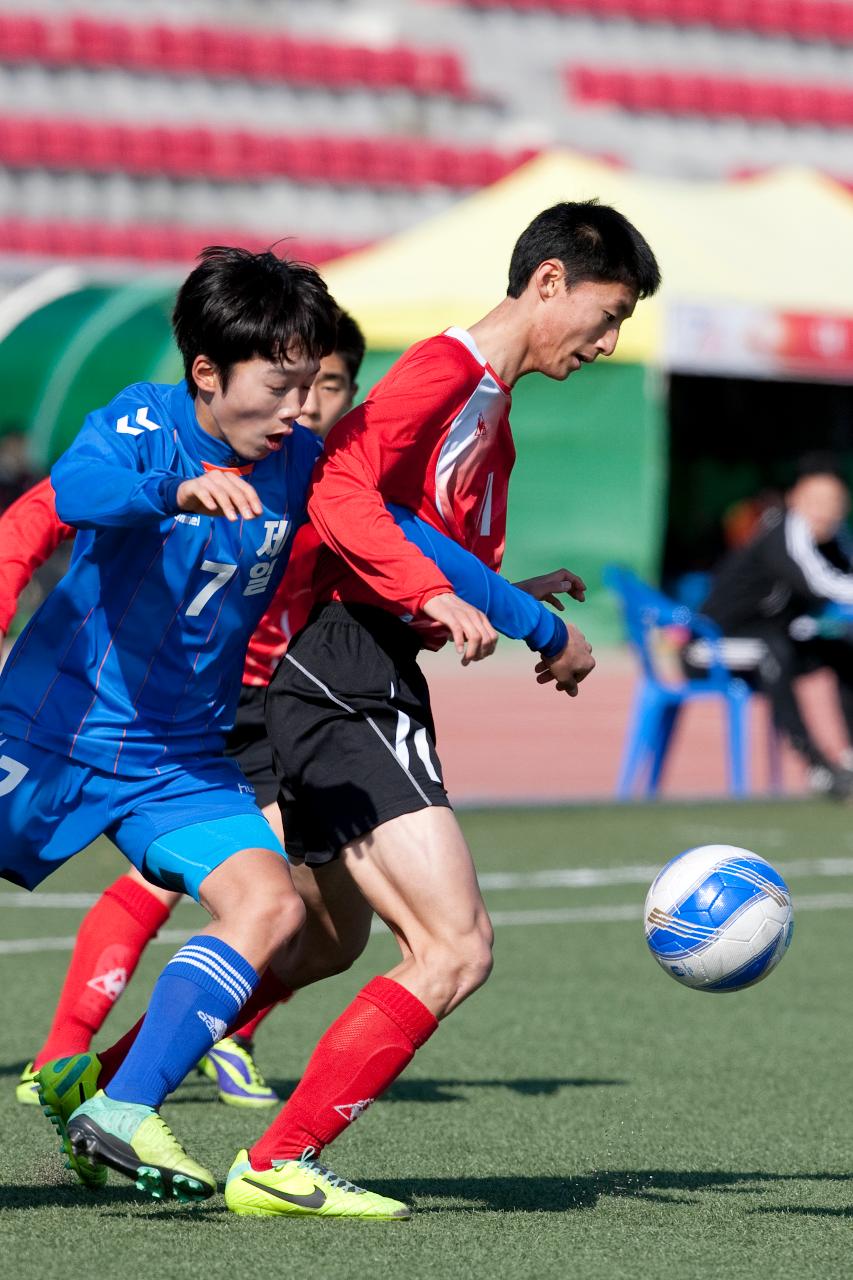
510	610
30	531
355	523
92	494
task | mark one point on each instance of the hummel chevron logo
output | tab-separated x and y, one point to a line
315	1200
124	428
110	984
352	1110
215	1026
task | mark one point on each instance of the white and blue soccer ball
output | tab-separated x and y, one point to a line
718	918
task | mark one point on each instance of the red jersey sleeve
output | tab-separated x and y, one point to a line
30	531
381	452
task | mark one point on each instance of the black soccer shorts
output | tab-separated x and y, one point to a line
353	739
249	745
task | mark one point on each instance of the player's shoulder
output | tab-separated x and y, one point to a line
147	404
445	355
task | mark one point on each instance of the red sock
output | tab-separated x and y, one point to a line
110	941
356	1060
267	994
246	1032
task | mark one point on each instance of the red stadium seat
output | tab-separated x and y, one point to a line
148	242
802	19
22	38
216	52
232	155
794	102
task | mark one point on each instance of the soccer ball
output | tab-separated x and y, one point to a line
718	918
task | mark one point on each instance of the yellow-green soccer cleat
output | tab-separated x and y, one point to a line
62	1085
133	1140
304	1189
27	1090
231	1066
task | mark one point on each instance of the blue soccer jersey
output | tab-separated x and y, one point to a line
134	660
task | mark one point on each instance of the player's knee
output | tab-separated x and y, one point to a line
317	959
277	915
328	965
342	956
459	968
477	962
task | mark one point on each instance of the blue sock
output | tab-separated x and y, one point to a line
201	991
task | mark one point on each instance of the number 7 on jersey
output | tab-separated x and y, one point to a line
222	573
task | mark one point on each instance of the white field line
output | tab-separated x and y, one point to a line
557	915
558	878
594	877
34	946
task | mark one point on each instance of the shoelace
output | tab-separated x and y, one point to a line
321	1171
166	1132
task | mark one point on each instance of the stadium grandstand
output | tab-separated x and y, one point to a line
139	132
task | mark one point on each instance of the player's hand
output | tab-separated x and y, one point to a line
570	666
546	586
473	634
219	493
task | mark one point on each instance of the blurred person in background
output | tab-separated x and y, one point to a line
784	602
16	471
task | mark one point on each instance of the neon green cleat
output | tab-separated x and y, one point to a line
62	1085
231	1066
27	1090
303	1189
133	1140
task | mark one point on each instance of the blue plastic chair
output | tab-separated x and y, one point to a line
657	702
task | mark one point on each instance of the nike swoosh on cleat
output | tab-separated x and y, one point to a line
316	1200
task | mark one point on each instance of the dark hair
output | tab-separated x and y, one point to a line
236	305
349	344
819	463
592	241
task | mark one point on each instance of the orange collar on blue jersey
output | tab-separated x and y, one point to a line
235	471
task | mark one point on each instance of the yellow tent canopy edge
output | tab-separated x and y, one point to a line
781	241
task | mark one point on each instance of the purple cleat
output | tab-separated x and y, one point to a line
233	1070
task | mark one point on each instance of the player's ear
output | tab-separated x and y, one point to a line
206	374
549	278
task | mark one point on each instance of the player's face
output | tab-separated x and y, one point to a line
577	325
330	397
824	502
261	402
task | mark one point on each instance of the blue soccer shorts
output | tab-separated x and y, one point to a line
175	826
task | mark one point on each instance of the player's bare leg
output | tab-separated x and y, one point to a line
252	904
416	872
336	930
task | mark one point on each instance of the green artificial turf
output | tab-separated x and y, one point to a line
582	1116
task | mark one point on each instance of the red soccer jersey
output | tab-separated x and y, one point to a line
432	436
30	531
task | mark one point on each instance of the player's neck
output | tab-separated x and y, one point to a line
206	419
502	338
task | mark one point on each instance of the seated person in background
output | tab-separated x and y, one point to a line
800	560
